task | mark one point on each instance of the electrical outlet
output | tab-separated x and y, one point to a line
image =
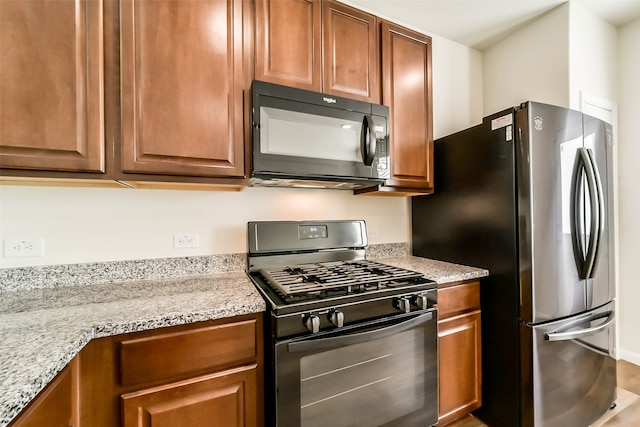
23	247
186	240
372	232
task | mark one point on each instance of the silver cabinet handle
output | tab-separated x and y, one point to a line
561	335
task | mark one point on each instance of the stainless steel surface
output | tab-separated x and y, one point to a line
574	379
568	331
510	201
300	140
369	376
274	237
346	335
586	244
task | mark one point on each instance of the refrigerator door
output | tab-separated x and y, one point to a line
598	144
568	370
549	139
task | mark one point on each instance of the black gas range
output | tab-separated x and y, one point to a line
327	303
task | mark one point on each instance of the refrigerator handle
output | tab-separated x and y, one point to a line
577	214
597	211
586	260
564	335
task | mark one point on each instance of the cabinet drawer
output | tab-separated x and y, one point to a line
173	355
458	299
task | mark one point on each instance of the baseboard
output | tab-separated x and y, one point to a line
629	356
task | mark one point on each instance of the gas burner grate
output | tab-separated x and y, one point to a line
339	276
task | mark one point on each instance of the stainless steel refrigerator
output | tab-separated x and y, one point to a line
527	195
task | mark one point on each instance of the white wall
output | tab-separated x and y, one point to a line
105	224
457	87
457	74
529	65
628	179
593	61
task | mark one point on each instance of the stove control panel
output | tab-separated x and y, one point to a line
331	317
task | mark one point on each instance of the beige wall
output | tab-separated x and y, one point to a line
593	61
628	179
100	224
107	224
529	65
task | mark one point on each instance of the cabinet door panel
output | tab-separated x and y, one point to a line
351	59
174	354
55	405
182	87
456	299
406	76
222	399
288	43
51	85
460	365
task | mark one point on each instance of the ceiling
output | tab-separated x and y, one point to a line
480	23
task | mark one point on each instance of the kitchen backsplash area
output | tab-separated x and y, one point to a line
54	276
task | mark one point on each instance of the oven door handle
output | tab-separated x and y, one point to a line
358	337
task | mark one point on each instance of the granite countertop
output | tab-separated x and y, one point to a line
439	271
41	330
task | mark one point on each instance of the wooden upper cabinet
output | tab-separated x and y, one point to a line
288	43
181	87
51	85
350	51
323	46
406	82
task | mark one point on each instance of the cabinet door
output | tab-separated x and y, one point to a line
351	60
222	399
406	82
460	364
288	45
181	77
55	405
51	85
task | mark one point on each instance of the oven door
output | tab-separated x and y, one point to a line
382	373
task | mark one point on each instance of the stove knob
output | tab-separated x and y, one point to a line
336	317
421	301
312	322
403	304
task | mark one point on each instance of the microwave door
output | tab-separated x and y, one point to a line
309	140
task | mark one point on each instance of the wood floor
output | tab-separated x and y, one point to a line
625	414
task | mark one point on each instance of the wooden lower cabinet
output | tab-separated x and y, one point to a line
176	376
460	351
56	405
225	398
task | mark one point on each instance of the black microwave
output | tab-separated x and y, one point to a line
314	140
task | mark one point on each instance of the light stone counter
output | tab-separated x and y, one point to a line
41	330
48	314
438	271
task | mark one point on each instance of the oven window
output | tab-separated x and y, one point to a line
366	384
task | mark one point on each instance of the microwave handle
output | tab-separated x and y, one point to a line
368	140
